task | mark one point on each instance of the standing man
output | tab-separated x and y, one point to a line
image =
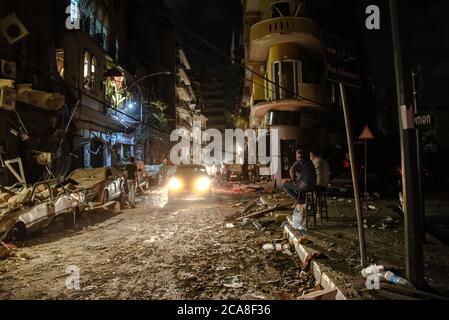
303	176
131	169
322	169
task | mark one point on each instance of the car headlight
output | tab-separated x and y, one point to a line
174	184
203	184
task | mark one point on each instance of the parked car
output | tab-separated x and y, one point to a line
34	209
189	180
99	185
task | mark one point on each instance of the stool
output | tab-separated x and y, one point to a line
310	205
321	203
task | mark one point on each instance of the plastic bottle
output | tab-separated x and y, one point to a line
391	277
275	247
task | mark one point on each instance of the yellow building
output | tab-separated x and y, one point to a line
286	83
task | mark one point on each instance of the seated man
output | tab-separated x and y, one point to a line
322	168
303	177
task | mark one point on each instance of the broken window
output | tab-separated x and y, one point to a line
280	9
60	62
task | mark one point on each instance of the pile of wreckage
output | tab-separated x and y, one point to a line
26	208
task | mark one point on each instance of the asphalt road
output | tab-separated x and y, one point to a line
156	251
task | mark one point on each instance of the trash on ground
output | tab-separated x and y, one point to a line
372	269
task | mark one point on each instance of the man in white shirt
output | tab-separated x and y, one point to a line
322	169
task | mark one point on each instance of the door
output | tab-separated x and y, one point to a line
288	157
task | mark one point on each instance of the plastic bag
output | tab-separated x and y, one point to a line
297	218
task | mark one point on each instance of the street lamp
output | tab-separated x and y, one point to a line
139	81
117	76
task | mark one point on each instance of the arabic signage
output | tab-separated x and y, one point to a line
342	62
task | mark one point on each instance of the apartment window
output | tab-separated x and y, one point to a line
287	77
281	9
60	62
90	72
93	74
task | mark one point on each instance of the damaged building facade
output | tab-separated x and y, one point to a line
85	95
285	87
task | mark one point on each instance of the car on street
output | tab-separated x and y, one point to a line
189	180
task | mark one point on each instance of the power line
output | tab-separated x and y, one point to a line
224	55
63	81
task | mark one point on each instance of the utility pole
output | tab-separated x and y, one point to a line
413	219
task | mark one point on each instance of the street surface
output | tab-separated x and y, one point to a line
156	251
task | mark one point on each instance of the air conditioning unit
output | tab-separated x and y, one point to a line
8	69
12	29
8	99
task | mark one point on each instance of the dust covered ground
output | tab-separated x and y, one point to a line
180	251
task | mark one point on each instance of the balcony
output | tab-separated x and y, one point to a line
270	32
314	100
183	92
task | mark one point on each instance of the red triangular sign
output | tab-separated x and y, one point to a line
366	134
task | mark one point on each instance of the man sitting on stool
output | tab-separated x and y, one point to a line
323	172
303	178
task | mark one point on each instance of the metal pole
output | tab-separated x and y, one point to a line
355	183
366	170
413	223
416	75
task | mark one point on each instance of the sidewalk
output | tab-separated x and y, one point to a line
336	246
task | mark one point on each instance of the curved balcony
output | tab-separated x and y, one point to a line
314	100
270	32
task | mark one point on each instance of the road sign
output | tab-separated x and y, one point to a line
342	62
424	121
366	134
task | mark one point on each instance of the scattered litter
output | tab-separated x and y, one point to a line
6	249
258	225
230	226
391	277
281	247
368	271
234	283
341	200
371	207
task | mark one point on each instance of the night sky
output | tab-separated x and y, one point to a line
424	32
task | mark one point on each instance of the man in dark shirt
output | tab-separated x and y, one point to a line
303	176
131	169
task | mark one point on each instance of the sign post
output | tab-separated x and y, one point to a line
342	67
365	136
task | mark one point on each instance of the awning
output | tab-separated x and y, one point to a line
87	118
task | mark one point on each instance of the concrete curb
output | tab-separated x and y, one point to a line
321	276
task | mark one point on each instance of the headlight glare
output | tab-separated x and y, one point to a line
174	184
203	184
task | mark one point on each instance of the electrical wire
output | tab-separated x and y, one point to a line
63	81
226	56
